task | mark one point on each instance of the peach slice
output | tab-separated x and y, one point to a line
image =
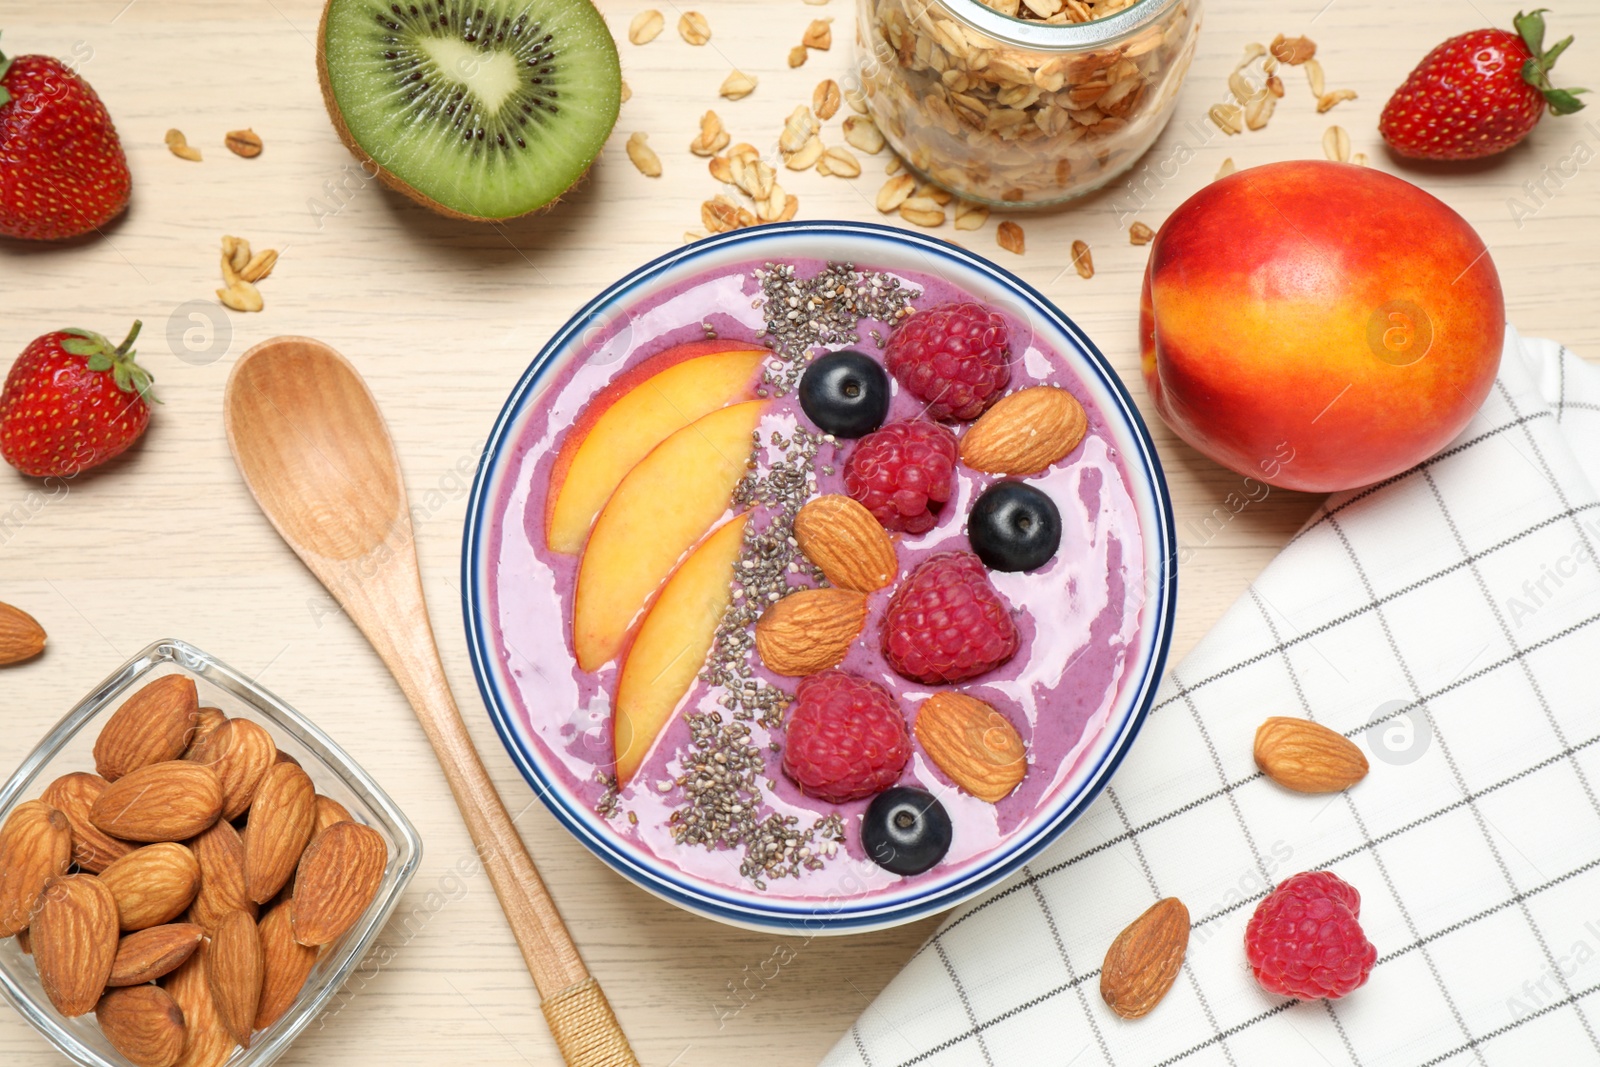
629	417
672	643
659	510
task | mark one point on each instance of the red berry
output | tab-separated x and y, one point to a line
946	623
62	171
1305	940
72	401
1476	94
955	358
846	738
903	473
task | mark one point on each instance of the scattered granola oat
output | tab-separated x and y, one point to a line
826	98
721	169
260	265
1328	101
922	211
722	214
970	215
1226	169
1140	234
241	296
694	28
738	85
819	35
807	156
1336	144
798	128
245	143
644	157
1259	110
895	191
863	133
856	100
1359	159
1275	85
712	138
1293	50
240	271
179	146
1082	261
1229	118
895	165
1009	237
797	55
645	27
841	161
627	93
690	236
235	256
1315	78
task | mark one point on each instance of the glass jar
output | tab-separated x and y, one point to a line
1023	103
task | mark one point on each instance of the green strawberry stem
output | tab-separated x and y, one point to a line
129	376
5	66
1536	71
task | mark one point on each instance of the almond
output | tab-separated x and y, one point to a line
338	878
170	801
35	846
1025	432
152	885
207	722
1144	960
286	965
842	538
73	795
144	1024
21	636
281	819
24	943
206	1043
152	726
234	969
241	753
330	811
220	853
1300	755
973	744
146	955
810	630
74	938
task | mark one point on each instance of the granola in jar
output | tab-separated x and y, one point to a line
1023	102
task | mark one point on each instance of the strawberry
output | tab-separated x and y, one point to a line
62	171
1477	94
72	401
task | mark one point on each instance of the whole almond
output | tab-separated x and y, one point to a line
153	885
152	726
286	965
842	538
207	722
337	880
24	943
207	1043
74	938
143	1023
1025	432
241	752
234	969
35	846
1300	755
1144	960
170	801
21	636
810	630
220	853
281	820
73	795
146	955
330	811
972	743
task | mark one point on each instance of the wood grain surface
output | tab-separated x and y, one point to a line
441	317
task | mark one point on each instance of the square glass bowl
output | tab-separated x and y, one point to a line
68	747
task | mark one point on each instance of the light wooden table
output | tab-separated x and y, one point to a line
442	317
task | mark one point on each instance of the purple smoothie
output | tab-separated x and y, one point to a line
1078	616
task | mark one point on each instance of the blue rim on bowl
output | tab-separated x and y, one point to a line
879	247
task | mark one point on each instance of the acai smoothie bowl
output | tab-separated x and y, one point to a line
818	575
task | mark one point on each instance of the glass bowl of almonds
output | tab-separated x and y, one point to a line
189	869
1023	103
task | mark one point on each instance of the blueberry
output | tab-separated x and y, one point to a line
905	830
845	394
1014	527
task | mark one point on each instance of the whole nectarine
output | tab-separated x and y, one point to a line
1319	326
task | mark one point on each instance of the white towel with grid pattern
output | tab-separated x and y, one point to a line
1448	621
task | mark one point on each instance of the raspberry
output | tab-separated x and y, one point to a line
1304	939
955	358
946	623
846	738
903	473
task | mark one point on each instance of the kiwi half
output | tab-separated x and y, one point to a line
483	109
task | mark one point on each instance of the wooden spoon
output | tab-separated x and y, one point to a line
315	452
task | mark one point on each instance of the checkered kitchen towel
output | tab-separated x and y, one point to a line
1448	620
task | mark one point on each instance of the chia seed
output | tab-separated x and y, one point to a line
804	314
